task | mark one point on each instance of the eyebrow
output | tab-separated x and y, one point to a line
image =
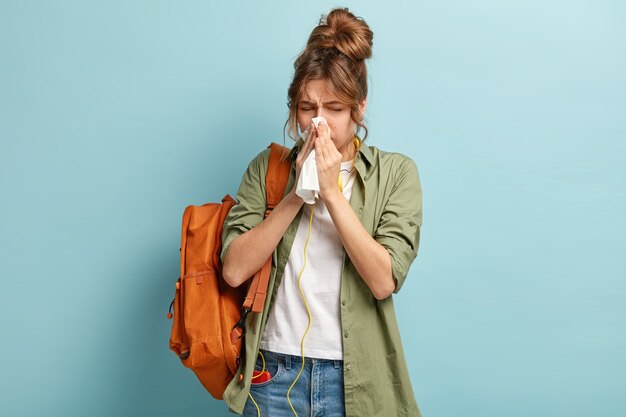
334	102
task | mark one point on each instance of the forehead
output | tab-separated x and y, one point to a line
318	90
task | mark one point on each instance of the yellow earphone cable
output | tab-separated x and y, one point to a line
307	328
306	305
357	143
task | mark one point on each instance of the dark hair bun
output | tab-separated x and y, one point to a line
342	30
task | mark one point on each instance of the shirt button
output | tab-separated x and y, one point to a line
343	302
345	335
348	367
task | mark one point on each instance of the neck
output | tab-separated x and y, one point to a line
348	152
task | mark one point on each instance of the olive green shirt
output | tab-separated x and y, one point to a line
387	198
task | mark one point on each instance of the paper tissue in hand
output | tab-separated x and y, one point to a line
308	185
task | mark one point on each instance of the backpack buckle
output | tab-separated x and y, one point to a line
241	324
242	321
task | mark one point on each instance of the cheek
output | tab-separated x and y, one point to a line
303	121
341	125
346	121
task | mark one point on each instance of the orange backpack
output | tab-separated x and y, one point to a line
209	315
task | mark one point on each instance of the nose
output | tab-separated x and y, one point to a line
321	112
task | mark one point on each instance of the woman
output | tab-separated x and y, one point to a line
328	334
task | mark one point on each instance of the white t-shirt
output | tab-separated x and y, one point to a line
320	283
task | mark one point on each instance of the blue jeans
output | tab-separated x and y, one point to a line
318	392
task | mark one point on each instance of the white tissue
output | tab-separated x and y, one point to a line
308	185
316	120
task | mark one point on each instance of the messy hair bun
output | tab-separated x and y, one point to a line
336	52
347	33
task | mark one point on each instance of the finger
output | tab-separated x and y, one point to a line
325	131
313	136
310	143
329	152
325	140
307	143
321	150
322	129
316	146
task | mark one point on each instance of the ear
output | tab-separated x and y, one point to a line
362	107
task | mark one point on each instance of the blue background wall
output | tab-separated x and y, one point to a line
116	115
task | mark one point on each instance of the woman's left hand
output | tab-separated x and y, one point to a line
328	161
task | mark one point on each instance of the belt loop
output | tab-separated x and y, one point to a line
287	358
337	363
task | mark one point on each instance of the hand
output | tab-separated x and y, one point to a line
328	161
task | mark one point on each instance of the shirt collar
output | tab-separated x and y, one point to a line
366	152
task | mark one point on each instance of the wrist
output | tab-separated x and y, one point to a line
294	199
333	195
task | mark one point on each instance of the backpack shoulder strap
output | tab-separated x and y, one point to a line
277	176
276	179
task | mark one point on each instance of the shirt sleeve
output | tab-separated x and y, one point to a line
400	223
250	208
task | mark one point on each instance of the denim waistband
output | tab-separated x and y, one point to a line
290	360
